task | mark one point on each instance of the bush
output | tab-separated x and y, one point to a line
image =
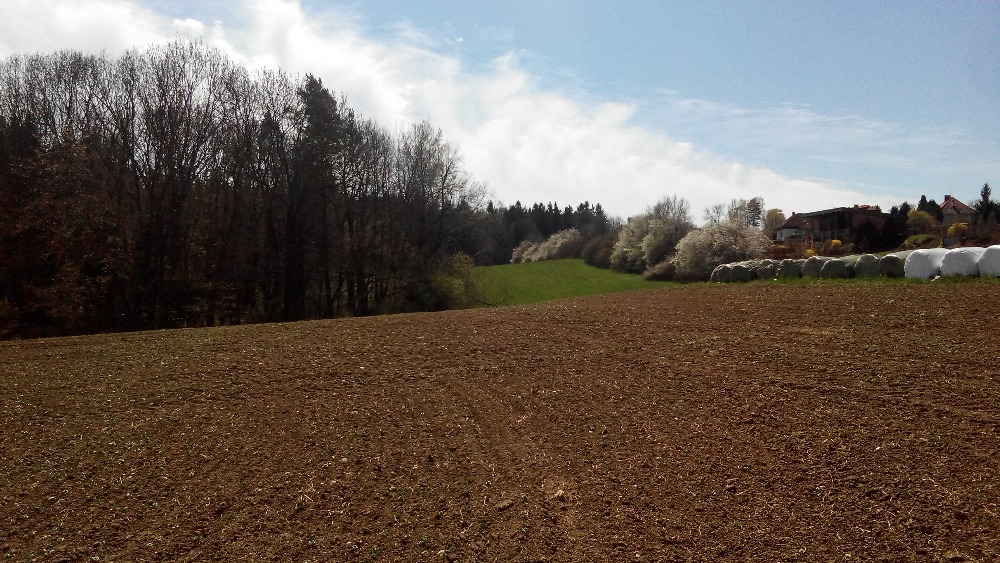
781	251
920	222
523	249
453	285
921	241
701	251
597	251
664	271
564	244
650	238
627	254
661	238
958	230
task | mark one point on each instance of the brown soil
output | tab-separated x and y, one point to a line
706	423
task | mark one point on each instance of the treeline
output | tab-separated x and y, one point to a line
172	187
512	232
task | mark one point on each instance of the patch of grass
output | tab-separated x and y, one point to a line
533	282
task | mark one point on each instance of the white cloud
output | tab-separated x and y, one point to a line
90	26
853	148
529	143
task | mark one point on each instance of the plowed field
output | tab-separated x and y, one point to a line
705	423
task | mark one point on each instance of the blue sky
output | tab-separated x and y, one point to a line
809	104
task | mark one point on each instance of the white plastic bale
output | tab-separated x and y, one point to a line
989	262
925	263
850	262
740	272
867	266
721	273
789	268
767	270
836	268
813	266
962	261
892	265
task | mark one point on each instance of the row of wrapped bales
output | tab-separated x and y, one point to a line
844	267
748	270
966	261
734	272
923	264
768	269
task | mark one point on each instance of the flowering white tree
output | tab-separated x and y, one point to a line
700	251
650	238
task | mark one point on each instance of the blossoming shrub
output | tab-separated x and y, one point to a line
700	251
564	244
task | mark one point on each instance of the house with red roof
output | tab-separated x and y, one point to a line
954	211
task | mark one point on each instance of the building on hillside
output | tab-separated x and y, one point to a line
954	211
848	224
795	227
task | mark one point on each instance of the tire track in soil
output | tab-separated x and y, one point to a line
539	499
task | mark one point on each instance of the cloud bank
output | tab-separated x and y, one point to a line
527	142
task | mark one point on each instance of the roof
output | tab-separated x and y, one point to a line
953	206
796	221
857	209
802	220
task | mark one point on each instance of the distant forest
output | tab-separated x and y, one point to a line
172	187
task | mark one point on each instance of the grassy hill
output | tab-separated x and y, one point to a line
533	282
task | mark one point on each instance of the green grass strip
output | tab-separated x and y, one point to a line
534	282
